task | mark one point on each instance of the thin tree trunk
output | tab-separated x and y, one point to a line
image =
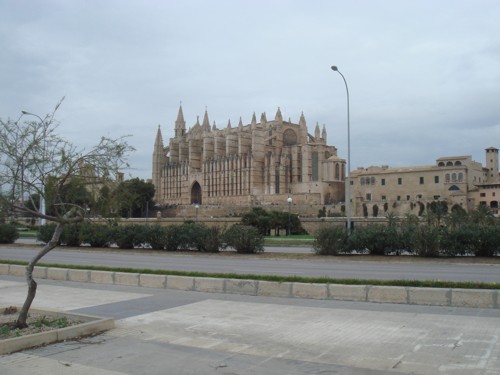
23	314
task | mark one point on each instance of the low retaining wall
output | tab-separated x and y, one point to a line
478	298
89	325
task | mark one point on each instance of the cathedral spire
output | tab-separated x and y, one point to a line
317	132
180	124
323	133
240	124
263	119
229	124
158	140
278	117
302	121
206	123
254	121
158	160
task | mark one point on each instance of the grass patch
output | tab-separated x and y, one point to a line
293	240
279	278
28	234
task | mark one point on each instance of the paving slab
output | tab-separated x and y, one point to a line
161	331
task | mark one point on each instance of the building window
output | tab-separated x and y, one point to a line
447	177
399	197
453	177
436	179
382	182
372	180
421	180
315	166
368	196
460	177
482	195
384	197
400	180
407	197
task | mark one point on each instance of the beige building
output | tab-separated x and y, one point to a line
457	180
258	163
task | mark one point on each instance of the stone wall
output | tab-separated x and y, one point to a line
311	225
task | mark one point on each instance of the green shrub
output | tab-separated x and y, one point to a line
155	236
172	238
95	234
330	241
266	221
487	241
426	241
376	239
191	235
458	240
244	239
45	232
128	236
70	235
212	240
8	233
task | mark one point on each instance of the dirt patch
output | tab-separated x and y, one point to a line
37	323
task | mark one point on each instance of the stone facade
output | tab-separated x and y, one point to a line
457	180
259	163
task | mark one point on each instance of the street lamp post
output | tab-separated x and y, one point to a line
348	198
289	200
197	206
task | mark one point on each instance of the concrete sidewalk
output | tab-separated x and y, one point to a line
163	331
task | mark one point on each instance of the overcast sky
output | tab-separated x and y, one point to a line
423	76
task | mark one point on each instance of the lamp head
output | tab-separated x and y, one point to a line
289	200
334	68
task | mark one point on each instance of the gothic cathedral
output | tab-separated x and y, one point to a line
263	162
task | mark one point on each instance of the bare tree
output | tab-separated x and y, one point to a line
36	161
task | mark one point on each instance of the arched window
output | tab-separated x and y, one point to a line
440	164
447	177
458	162
460	177
454	188
453	177
449	164
337	171
196	193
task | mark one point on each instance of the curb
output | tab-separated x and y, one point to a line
453	297
91	325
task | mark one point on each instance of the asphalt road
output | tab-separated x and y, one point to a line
334	267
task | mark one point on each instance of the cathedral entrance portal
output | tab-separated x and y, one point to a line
196	193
